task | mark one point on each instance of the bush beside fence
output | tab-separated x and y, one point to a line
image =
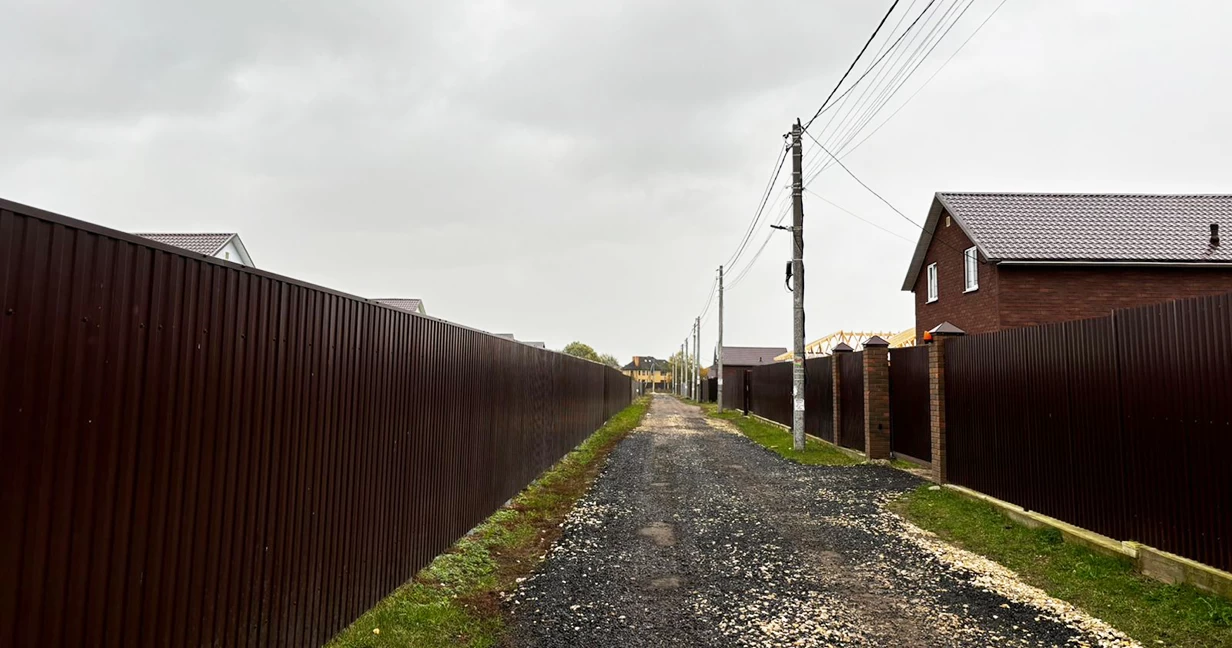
197	453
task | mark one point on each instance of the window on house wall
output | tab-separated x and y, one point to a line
932	282
971	269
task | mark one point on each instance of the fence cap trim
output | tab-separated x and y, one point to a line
842	347
945	328
876	341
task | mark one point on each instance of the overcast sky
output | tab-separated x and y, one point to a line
568	170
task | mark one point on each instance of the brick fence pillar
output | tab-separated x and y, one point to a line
836	378
936	339
877	398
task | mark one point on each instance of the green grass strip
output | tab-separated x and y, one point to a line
1107	587
455	601
775	438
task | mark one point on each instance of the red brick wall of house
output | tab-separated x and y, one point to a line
974	312
1032	295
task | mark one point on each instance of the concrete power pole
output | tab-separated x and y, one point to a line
797	280
697	359
719	355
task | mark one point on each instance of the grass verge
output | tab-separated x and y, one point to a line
455	601
775	438
1149	611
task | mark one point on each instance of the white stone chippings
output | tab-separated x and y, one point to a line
993	577
695	536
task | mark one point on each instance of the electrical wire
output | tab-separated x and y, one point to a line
778	168
882	199
926	82
853	63
856	83
857	216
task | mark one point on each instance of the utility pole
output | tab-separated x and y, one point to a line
697	360
718	361
797	280
684	372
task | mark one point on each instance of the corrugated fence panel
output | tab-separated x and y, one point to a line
196	453
910	425
819	398
851	400
770	392
1176	369
1119	424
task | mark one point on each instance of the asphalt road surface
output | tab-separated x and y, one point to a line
695	536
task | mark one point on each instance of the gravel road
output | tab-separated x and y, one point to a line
695	536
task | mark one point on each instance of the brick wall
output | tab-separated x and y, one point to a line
974	312
1032	295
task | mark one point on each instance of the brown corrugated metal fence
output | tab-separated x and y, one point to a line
198	454
819	398
1122	424
910	431
851	404
770	392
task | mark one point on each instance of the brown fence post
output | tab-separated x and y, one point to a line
936	339
836	379
877	398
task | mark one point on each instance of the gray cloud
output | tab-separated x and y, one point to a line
574	170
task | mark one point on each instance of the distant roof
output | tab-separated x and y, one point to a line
537	345
507	336
1094	228
750	356
412	305
647	363
207	244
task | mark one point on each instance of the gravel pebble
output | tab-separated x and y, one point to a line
695	536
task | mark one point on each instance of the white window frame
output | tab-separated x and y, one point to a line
971	269
932	283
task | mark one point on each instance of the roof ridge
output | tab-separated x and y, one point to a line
1084	193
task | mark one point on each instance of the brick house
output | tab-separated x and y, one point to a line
991	261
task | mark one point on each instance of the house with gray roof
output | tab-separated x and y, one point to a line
411	305
225	246
991	261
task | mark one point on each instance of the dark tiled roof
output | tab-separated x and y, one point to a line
412	305
648	363
1085	227
207	244
750	356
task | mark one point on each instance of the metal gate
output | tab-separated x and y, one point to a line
851	405
910	429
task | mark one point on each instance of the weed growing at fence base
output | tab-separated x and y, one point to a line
455	601
1149	611
772	437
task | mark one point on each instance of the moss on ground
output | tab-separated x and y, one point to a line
455	601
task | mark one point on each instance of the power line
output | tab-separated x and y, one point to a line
858	217
881	198
878	61
778	167
871	102
853	63
927	81
904	74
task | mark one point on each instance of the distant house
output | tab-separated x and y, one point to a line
648	369
991	261
735	361
412	305
228	246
